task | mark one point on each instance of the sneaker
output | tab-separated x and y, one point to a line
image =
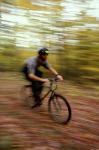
37	104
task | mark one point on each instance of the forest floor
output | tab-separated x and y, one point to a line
33	129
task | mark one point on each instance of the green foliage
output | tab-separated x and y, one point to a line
76	41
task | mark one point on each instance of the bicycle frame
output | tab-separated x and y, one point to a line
52	91
54	102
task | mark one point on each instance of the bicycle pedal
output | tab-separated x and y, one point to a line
37	105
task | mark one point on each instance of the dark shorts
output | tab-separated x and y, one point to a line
37	86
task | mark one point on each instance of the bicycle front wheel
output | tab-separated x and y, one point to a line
59	109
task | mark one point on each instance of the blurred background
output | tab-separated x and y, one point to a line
68	28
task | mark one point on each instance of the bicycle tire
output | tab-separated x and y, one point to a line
27	96
57	100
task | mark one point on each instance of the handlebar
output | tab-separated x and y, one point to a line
53	83
55	79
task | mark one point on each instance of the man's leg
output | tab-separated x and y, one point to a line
37	90
37	87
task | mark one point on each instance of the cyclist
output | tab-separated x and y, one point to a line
33	74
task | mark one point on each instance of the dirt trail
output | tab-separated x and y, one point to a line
34	129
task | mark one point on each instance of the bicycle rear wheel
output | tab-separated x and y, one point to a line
59	109
27	96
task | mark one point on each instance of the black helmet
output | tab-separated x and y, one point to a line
43	51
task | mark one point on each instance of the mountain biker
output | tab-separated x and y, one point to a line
33	73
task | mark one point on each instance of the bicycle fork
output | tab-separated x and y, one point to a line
55	102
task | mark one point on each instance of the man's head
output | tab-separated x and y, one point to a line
43	52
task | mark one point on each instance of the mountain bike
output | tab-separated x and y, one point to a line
58	106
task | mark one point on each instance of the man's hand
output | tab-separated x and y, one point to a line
60	77
45	80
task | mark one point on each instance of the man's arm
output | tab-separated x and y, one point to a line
31	75
36	78
52	70
55	73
